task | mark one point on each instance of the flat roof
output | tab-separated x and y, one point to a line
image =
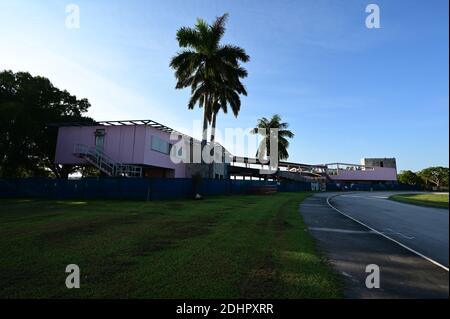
151	123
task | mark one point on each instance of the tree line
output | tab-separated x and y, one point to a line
429	178
30	109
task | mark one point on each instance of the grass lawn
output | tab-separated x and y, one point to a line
433	200
221	247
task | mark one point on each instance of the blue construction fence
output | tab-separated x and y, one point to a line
132	188
152	188
352	187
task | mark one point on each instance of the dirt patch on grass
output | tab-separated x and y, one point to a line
152	212
151	244
264	276
262	279
104	269
83	229
174	206
171	232
280	217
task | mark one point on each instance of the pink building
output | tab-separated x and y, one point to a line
351	173
145	148
137	148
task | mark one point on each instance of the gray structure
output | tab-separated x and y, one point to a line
379	162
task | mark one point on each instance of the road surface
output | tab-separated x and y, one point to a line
424	229
351	246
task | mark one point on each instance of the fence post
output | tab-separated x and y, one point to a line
148	190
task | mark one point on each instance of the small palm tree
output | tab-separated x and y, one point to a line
283	133
204	64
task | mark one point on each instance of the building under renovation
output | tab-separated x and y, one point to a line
145	148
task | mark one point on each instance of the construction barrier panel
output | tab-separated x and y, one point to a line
122	188
156	188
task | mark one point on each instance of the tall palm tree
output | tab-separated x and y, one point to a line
204	63
226	93
283	133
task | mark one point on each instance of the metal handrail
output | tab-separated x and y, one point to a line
105	163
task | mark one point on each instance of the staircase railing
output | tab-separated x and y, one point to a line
105	163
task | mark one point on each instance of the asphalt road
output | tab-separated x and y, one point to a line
350	246
424	229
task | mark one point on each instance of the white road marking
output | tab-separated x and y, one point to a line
349	276
365	197
343	231
346	274
391	231
385	236
352	196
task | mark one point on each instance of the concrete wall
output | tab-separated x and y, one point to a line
377	174
379	162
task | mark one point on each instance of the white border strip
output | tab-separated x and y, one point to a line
385	236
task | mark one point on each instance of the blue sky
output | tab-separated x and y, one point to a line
347	91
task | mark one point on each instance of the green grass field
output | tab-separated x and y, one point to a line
433	200
221	247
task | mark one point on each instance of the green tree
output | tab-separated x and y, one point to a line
435	176
275	122
89	171
204	64
27	142
409	178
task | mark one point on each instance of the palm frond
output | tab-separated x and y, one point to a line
218	28
232	53
188	37
281	134
286	133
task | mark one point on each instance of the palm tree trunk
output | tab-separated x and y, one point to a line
213	127
205	126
